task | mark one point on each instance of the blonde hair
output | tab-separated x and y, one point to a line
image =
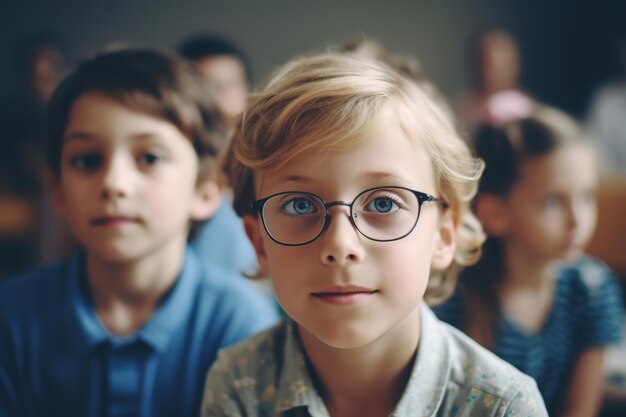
333	102
405	64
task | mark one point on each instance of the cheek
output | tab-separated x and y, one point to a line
409	257
588	221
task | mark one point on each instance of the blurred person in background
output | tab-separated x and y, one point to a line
226	68
128	325
496	94
607	120
535	298
221	239
29	230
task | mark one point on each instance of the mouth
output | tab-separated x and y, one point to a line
113	221
344	295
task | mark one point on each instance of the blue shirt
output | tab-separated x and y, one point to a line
586	312
452	375
221	240
57	358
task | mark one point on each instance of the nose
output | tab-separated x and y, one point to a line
581	214
115	178
341	242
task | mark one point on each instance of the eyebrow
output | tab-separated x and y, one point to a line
372	176
78	136
87	136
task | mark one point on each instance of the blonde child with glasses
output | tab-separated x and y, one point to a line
354	189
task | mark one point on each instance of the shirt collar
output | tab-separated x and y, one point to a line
295	387
422	396
160	329
429	378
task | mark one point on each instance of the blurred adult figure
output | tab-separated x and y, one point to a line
496	94
607	120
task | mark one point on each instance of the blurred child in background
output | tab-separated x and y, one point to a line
534	298
131	323
226	69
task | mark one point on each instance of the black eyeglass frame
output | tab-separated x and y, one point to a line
258	205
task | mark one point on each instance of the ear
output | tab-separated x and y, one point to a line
207	200
445	241
492	212
254	229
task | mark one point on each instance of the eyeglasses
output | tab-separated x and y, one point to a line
382	214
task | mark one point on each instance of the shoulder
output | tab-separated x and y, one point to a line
246	374
232	290
263	348
481	379
590	293
233	304
31	288
589	277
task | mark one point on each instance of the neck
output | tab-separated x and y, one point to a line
368	380
126	294
528	272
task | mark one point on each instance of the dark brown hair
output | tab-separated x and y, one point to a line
505	149
150	81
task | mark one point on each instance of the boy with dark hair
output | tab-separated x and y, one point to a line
226	70
130	325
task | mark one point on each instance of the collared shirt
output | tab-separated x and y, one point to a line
58	359
452	375
586	313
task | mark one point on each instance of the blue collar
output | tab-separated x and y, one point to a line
158	331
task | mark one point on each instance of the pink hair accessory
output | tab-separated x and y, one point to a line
508	105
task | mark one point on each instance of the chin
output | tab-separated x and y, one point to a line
570	253
341	337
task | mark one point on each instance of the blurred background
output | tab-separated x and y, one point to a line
566	45
566	49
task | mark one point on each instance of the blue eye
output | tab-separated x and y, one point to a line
86	161
381	205
299	206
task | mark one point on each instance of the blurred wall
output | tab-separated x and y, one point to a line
565	43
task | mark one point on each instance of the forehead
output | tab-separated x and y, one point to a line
390	157
221	66
567	167
96	115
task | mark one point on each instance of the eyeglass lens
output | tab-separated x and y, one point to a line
379	214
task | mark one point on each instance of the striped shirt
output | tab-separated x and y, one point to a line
586	312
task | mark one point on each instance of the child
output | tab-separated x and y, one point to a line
130	325
224	66
551	320
353	185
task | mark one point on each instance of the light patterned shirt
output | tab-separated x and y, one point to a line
451	376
